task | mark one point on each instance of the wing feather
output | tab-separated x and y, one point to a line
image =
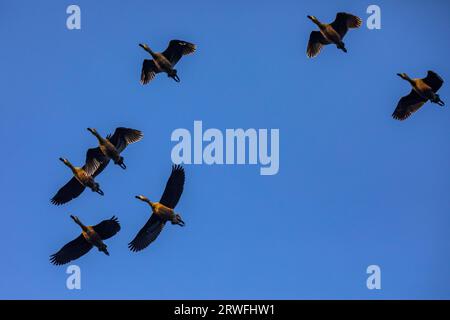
107	228
177	49
174	187
408	105
69	191
147	234
71	251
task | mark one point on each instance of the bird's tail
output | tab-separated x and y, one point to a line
104	250
174	75
342	47
436	99
177	220
98	190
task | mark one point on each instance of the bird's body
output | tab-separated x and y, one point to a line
109	148
165	61
83	178
91	236
331	33
162	211
423	90
162	63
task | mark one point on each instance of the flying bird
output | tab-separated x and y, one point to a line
82	177
162	211
331	33
89	237
110	148
423	90
165	61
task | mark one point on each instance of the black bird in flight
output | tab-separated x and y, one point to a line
82	177
165	61
110	148
89	237
423	90
162	211
331	33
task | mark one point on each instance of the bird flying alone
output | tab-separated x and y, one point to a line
423	90
90	236
110	148
162	211
331	33
165	61
82	177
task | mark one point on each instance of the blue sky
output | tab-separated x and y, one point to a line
355	187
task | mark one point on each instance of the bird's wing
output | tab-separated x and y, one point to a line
147	234
174	187
122	137
94	159
107	228
71	251
69	191
177	49
345	21
433	80
315	43
149	70
96	162
408	105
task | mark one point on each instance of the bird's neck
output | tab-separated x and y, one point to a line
319	24
82	226
99	137
68	164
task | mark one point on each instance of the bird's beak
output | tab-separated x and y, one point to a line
122	165
399	74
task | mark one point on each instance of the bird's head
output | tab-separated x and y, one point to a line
144	198
404	76
65	161
75	218
145	47
313	19
78	222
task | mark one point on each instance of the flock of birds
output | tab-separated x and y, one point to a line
111	147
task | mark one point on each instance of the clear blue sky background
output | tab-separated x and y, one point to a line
355	187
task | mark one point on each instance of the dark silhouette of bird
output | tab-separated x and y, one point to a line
89	237
110	148
423	90
162	211
165	61
82	177
331	33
